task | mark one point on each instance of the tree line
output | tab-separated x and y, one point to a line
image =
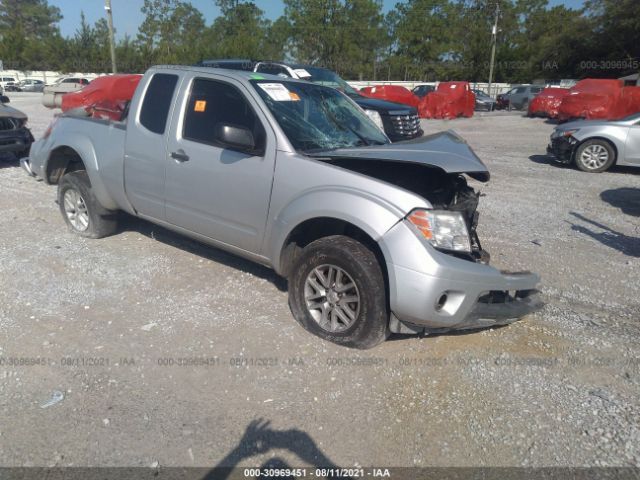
417	40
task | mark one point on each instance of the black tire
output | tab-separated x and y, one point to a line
525	106
603	146
101	222
371	324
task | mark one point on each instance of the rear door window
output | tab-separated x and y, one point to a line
157	102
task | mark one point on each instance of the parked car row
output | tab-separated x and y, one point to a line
10	84
518	97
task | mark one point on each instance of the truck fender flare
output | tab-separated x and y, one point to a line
369	213
84	148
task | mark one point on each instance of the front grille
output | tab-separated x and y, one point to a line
405	125
7	124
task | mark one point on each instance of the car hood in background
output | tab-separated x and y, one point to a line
594	123
382	106
445	150
10	112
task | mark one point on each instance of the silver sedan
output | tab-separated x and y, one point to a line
596	145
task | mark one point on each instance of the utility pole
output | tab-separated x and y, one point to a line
494	39
112	43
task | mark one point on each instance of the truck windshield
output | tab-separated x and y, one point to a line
317	118
325	77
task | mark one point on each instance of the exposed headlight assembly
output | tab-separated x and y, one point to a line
563	133
442	228
375	118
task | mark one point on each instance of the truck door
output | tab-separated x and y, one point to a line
146	146
213	189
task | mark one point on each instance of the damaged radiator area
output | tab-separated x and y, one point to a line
445	191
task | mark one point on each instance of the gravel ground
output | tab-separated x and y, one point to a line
98	322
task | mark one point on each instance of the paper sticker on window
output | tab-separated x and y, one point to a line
301	72
201	106
277	91
294	96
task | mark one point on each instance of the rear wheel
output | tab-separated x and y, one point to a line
337	292
595	156
80	208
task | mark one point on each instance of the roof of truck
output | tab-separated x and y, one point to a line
239	74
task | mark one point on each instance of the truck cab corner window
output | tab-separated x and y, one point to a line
157	102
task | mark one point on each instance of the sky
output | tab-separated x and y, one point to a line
127	16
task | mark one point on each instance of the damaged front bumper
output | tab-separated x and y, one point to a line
431	291
562	148
15	141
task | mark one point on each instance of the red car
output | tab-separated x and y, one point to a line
547	102
392	93
450	100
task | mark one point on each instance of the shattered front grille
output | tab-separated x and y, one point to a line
405	125
7	124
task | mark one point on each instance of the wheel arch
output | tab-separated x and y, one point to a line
79	155
601	138
62	159
316	228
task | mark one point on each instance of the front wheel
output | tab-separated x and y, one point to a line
595	156
80	208
337	292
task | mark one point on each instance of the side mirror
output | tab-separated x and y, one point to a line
235	137
4	99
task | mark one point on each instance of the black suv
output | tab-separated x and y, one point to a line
399	122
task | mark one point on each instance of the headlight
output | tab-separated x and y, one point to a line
444	229
563	133
375	118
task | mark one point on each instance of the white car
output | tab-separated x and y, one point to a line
7	80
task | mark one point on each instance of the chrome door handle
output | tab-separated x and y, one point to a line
180	156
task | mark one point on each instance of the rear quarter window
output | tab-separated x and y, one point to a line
157	102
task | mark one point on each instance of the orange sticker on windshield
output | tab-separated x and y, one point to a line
294	96
201	106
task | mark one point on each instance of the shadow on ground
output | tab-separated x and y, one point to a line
547	160
9	161
259	439
618	241
626	199
161	234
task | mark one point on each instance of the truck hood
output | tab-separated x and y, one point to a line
445	150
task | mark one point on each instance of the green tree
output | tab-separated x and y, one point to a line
347	36
615	43
171	31
23	25
241	31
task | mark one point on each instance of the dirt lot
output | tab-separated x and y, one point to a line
107	322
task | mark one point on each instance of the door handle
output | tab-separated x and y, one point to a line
180	156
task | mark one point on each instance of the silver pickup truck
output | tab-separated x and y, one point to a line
373	237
